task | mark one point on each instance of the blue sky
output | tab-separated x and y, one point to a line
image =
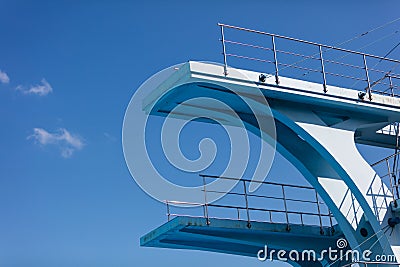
68	71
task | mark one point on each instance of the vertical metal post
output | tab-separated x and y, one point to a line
205	201
224	50
367	76
354	208
391	85
270	216
247	204
384	193
390	179
330	220
374	197
238	213
275	60
319	212
168	212
286	210
322	69
301	219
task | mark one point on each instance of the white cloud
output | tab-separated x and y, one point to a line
4	77
41	89
110	137
67	142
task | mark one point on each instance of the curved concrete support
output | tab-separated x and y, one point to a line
336	185
324	155
316	133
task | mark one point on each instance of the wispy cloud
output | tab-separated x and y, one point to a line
110	137
67	142
42	89
4	77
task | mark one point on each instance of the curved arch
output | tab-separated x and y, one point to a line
288	128
328	158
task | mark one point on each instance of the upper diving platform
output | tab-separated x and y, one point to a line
334	108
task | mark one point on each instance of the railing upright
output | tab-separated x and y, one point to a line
322	69
286	209
275	60
224	50
391	85
319	212
367	76
168	211
354	209
205	201
247	204
390	179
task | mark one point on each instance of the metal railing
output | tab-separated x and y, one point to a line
353	208
316	211
386	185
379	81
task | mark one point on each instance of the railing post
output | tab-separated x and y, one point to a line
286	210
275	60
354	208
168	211
205	202
322	69
384	194
391	181
224	50
319	213
330	221
367	76
247	204
391	84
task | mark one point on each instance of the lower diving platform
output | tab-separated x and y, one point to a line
235	237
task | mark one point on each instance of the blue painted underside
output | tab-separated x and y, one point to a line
235	237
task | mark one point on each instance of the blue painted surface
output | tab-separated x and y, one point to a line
235	237
290	136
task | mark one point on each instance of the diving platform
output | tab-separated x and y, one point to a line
317	121
234	236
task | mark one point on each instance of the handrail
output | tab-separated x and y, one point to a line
371	77
382	160
318	208
251	181
308	42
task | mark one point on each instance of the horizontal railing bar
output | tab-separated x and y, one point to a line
296	54
268	210
306	56
309	69
183	202
298	67
308	42
227	218
251	208
345	76
261	182
248	45
250	58
345	64
382	160
267	197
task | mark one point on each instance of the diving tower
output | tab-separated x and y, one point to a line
318	122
